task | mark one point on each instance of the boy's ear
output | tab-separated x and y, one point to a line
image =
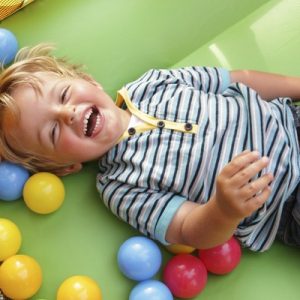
69	169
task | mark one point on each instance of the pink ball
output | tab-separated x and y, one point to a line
185	275
222	259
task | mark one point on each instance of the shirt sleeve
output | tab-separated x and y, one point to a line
207	79
148	211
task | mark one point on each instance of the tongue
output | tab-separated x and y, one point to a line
91	124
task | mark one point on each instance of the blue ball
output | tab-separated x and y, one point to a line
8	46
150	290
139	258
12	180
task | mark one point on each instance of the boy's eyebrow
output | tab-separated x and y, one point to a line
49	93
51	90
54	88
39	136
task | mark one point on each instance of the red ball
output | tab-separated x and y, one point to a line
185	275
222	259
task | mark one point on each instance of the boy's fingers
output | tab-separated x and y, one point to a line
242	153
252	188
244	175
239	162
256	202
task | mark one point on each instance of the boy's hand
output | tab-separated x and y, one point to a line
236	196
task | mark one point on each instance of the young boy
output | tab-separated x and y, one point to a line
189	156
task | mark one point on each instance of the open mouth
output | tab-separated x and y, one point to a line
91	121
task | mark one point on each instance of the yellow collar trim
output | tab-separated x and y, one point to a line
149	121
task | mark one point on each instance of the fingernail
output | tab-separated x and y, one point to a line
265	159
256	153
269	176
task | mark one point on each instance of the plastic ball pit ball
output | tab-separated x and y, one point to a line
20	277
12	180
139	258
185	275
10	239
222	259
44	193
178	249
150	290
79	288
8	46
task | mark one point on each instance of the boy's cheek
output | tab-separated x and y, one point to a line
68	145
72	148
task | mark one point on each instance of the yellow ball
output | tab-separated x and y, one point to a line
44	193
10	239
20	277
178	249
79	288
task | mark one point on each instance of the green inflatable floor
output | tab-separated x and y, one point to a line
117	41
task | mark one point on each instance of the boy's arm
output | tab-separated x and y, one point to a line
236	197
269	86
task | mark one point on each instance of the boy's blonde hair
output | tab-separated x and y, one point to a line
27	63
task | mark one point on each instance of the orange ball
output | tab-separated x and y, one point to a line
20	277
178	248
79	288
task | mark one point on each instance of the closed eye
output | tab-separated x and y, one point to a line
64	95
54	133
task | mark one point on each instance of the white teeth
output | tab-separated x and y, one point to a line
86	120
98	121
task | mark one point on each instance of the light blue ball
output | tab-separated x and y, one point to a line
139	258
12	180
8	46
150	290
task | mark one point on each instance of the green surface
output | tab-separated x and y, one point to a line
117	41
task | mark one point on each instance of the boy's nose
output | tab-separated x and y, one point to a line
67	114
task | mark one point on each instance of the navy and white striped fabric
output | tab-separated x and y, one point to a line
145	179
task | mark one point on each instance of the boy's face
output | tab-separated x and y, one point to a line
71	121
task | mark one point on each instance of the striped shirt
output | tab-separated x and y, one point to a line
194	122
